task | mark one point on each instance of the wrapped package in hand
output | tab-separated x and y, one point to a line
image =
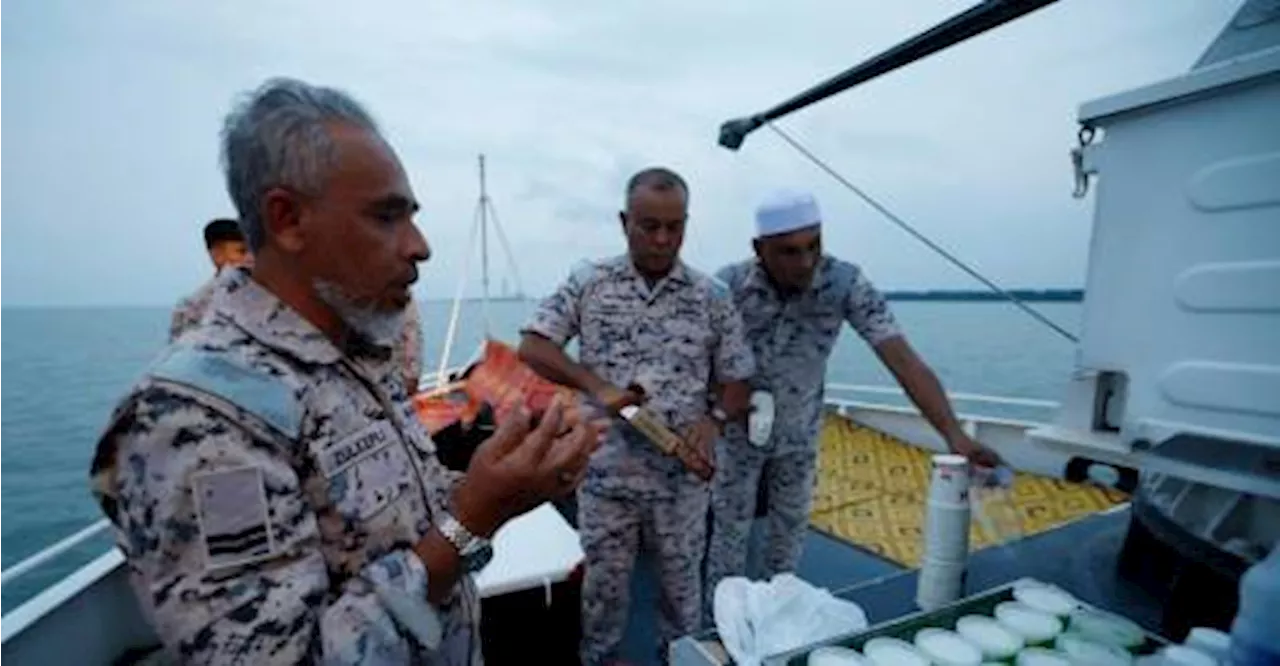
502	382
499	380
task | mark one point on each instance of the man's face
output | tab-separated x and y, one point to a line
790	259
230	253
654	224
356	240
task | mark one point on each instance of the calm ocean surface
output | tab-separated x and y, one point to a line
67	367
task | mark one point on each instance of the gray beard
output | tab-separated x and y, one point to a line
381	327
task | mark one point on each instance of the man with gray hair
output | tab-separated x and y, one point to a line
271	488
650	329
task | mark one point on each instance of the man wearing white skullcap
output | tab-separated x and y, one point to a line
793	300
786	211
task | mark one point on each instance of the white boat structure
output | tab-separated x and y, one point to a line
1177	384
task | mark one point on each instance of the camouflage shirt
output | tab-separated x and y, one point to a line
793	337
266	487
408	353
671	339
190	309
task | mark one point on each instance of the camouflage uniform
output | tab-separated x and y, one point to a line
792	339
266	488
191	309
670	339
408	353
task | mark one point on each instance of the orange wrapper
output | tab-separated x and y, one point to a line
500	380
504	382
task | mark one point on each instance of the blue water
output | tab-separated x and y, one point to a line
65	369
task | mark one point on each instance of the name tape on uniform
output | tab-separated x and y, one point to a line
351	449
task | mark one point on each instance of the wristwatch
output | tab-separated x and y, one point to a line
473	551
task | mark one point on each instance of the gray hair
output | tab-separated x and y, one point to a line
658	178
276	136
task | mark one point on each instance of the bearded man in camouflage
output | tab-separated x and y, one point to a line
275	497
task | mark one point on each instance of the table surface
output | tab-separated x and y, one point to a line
1080	558
535	550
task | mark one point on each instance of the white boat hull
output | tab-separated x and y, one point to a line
91	617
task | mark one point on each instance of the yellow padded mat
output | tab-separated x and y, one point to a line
871	492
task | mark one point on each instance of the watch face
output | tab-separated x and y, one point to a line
477	559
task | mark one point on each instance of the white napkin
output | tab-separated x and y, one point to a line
757	619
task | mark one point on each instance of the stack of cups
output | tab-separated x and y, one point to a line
946	533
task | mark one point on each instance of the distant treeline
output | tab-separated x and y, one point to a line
1067	295
1072	295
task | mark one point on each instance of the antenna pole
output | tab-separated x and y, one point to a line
976	20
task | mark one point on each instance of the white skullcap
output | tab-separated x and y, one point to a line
785	211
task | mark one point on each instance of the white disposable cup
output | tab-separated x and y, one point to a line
946	531
947	573
949	479
943	565
939	582
760	420
925	602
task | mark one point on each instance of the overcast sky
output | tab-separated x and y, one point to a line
111	165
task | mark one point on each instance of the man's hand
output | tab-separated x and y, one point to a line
614	398
701	436
976	453
519	468
735	398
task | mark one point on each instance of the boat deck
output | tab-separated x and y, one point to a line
871	493
866	524
864	540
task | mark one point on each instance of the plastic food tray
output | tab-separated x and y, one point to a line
906	626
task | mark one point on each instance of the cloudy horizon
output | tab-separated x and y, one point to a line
114	111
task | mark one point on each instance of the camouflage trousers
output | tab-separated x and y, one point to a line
788	479
613	531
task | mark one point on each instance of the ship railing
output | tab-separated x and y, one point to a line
840	395
976	412
24	567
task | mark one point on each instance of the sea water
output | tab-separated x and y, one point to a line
64	369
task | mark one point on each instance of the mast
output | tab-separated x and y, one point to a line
479	226
484	248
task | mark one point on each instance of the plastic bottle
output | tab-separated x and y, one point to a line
1255	639
760	421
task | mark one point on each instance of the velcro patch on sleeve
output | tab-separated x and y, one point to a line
351	449
231	507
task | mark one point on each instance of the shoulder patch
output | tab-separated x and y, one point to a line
231	509
224	376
